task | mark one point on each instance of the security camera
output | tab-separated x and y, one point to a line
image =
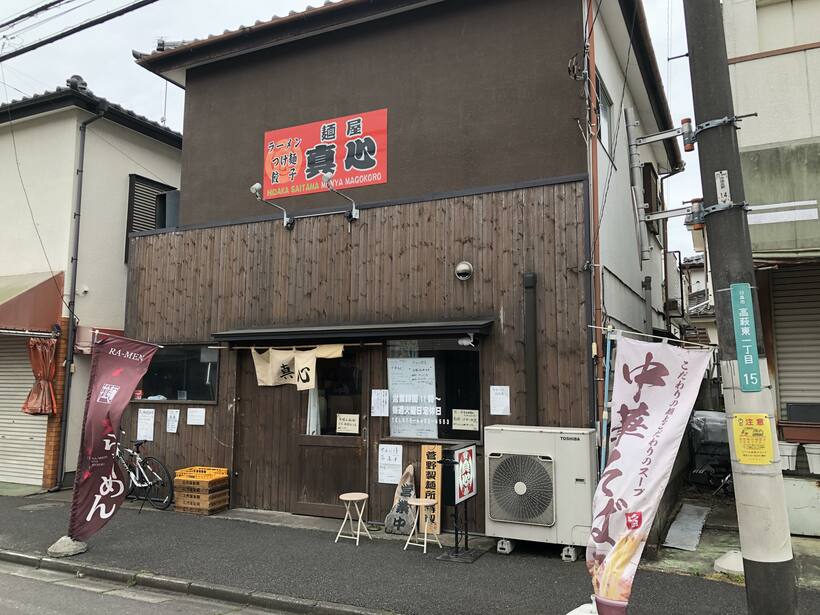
256	190
327	180
464	271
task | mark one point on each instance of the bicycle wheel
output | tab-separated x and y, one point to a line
161	490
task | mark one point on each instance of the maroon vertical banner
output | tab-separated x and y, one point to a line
117	366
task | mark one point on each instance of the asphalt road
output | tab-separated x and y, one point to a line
379	574
30	591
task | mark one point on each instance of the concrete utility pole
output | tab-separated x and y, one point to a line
765	539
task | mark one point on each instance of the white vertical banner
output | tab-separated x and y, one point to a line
656	385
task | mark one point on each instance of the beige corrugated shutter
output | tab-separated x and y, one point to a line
796	302
22	436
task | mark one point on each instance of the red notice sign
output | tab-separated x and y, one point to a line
353	149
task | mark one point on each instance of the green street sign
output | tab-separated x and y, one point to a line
743	317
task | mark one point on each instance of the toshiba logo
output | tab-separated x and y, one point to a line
575	438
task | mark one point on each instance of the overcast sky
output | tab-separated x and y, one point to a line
102	55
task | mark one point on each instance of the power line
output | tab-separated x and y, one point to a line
15	89
136	162
33	12
45	20
97	133
588	33
72	313
78	28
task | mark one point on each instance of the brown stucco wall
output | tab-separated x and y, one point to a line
477	93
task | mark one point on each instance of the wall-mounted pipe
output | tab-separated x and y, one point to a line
72	294
530	349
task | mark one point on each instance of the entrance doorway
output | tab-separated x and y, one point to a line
277	465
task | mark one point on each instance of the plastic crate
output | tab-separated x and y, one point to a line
201	472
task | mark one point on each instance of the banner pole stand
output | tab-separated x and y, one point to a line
66	547
457	554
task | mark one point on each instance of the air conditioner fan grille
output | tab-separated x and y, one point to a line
521	489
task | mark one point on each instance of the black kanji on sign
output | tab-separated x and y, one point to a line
320	159
361	154
354	127
328	132
285	372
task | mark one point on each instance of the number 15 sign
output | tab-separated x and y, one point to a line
743	316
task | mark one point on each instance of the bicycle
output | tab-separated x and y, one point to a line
147	474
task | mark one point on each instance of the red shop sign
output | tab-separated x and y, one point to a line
352	148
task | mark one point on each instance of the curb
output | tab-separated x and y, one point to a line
225	593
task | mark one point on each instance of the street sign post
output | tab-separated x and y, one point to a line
743	318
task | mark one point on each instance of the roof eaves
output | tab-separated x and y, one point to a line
313	21
645	56
62	98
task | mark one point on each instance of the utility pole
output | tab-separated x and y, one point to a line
763	522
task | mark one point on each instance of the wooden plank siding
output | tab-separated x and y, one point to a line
395	264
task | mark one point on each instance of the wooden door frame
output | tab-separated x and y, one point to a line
361	442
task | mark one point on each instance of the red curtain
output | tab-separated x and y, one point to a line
40	399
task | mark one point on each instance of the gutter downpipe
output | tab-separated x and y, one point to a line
72	296
531	349
597	402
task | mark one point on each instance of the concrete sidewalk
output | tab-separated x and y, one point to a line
305	563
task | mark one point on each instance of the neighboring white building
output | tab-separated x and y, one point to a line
628	81
773	48
128	160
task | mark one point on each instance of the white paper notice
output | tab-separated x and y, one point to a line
390	463
379	402
172	420
465	419
145	424
196	416
412	384
500	400
347	423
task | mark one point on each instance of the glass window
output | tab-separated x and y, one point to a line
181	373
339	388
604	117
452	373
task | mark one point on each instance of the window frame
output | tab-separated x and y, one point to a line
448	440
133	180
189	401
604	100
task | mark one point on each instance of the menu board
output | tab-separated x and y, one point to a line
412	386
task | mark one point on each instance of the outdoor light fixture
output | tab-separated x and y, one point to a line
327	182
256	190
467	340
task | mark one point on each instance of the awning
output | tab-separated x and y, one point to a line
357	332
31	302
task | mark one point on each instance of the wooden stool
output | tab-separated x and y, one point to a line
424	504
354	498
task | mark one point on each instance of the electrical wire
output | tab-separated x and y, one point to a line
588	33
156	176
45	20
72	313
89	23
30	12
8	85
96	133
669	51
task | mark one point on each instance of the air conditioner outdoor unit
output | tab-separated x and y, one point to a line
540	482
